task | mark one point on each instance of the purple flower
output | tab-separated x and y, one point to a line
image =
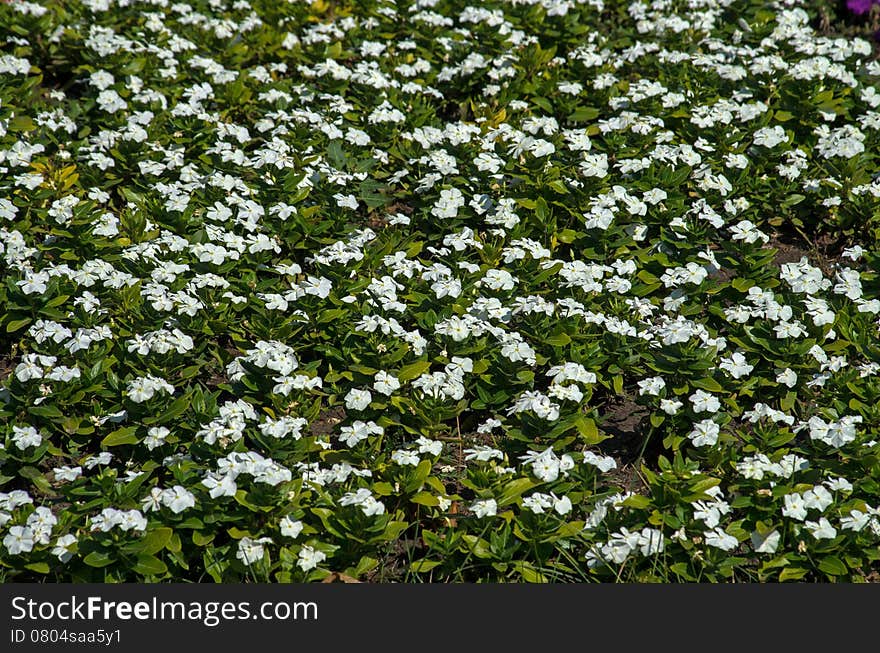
859	6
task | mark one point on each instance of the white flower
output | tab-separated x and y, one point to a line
787	377
143	388
721	540
485	508
819	498
703	402
604	463
789	330
426	445
670	406
651	541
822	529
855	521
346	201
451	199
66	473
794	506
364	500
178	499
20	539
28	369
652	385
770	136
836	433
251	550
482	453
309	557
839	484
704	432
153	501
406	457
156	437
358	399
765	543
385	383
103	458
537	502
62	548
562	505
42	521
545	465
358	431
24	437
736	365
290	528
222	485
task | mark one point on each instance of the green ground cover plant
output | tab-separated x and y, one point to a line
431	291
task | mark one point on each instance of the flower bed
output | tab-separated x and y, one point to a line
544	290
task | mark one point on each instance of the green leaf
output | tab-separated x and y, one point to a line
425	499
558	340
792	573
98	559
567	236
741	284
707	384
125	435
393	530
15	325
529	573
201	539
678	177
192	522
57	301
336	154
155	540
174	544
541	209
21	124
704	484
417	476
421	566
331	315
383	488
190	372
39	567
558	186
148	565
514	489
584	114
413	370
45	411
637	501
36	477
478	546
588	431
681	569
833	566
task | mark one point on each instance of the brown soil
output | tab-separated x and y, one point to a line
624	420
821	252
6	367
786	252
627	424
327	421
